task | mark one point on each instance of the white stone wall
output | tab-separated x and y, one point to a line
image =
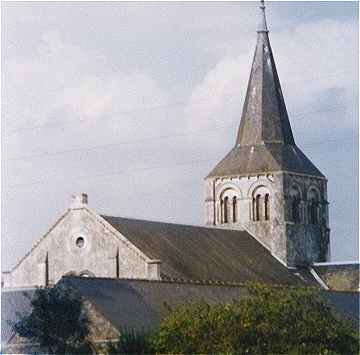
96	257
293	243
244	187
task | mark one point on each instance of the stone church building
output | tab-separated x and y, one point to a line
266	215
266	221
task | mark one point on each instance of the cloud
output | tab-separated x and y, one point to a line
87	67
61	81
314	65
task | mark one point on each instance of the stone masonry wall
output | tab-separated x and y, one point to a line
293	242
100	253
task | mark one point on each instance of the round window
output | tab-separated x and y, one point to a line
80	242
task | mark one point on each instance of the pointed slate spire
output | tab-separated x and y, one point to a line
265	142
264	118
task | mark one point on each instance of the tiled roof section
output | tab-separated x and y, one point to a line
140	304
264	118
265	158
199	253
344	277
13	303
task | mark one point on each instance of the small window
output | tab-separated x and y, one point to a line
234	209
267	207
313	207
80	242
226	207
257	207
314	212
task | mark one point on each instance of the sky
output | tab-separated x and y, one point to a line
134	103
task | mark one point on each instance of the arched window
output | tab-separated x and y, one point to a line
234	209
296	209
261	204
257	208
313	206
221	211
70	273
86	273
254	209
267	207
295	204
313	212
229	201
226	206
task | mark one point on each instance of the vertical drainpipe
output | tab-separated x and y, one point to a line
47	270
117	264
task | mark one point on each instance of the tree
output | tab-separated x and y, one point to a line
131	341
269	321
58	321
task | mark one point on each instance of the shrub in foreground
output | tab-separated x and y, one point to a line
269	321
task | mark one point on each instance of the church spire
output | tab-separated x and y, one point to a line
264	118
265	142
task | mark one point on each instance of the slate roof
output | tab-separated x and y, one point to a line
342	276
345	304
140	304
264	118
265	142
13	303
265	158
200	253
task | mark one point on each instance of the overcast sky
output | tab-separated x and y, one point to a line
134	103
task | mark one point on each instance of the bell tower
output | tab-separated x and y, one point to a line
265	184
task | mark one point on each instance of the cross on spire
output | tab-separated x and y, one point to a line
262	26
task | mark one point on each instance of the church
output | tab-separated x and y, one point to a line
266	220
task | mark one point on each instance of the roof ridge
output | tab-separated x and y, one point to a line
182	281
172	223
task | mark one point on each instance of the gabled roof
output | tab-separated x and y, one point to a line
13	304
141	304
200	253
265	142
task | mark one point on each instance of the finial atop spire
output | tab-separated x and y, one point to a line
262	27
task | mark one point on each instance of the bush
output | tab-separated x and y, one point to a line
269	321
131	342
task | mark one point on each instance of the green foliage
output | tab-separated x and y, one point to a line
58	321
269	321
131	342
